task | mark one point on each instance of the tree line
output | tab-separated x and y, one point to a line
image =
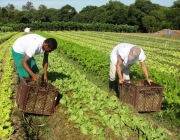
147	16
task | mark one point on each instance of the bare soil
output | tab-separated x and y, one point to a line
17	115
164	33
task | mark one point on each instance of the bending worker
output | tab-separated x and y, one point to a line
122	57
23	50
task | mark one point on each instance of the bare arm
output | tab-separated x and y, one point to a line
118	69
45	66
145	70
26	67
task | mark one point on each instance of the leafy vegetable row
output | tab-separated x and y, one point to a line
89	105
6	105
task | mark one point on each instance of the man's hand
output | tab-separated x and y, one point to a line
145	70
118	69
121	81
34	77
149	81
45	78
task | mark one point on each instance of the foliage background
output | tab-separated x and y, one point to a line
144	14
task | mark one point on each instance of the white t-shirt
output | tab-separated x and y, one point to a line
29	44
27	30
123	50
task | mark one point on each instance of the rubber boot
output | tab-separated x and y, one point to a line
112	86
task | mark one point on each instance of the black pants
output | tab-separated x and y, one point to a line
114	87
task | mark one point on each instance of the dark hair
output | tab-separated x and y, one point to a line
52	43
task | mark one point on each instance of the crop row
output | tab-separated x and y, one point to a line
105	46
6	104
8	35
92	59
86	97
92	109
151	40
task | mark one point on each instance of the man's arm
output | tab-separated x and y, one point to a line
26	67
118	69
45	66
145	70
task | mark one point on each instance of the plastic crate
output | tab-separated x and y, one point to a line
142	96
36	99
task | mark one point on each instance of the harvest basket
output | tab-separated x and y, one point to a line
36	99
142	96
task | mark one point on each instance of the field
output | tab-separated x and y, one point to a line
79	68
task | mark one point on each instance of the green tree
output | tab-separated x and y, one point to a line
10	9
66	13
88	9
134	15
47	15
51	15
85	15
100	15
29	6
4	12
25	18
42	7
176	4
149	22
17	16
144	5
176	23
41	16
116	12
81	18
4	15
160	17
20	17
171	14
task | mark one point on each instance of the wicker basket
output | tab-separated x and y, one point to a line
36	99
142	96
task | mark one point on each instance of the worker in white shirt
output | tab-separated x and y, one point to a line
122	57
23	50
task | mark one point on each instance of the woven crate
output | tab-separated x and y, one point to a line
36	99
142	96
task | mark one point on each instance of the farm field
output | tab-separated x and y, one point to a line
80	68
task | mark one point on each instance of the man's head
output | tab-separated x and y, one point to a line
134	53
49	45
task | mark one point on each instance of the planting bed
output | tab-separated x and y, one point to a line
85	110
